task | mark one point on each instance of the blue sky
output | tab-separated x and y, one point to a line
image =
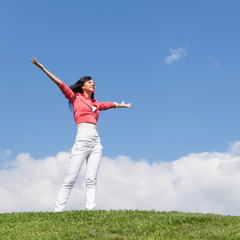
176	61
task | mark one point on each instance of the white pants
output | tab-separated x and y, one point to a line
87	147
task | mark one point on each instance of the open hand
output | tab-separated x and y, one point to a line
125	105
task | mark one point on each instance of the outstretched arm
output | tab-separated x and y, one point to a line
122	105
107	105
50	75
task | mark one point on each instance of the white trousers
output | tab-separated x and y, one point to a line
87	147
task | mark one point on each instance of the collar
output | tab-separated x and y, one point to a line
92	100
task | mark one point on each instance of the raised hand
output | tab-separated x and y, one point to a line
34	61
50	75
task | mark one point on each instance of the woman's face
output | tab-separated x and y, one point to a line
89	86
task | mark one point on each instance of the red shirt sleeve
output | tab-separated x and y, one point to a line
104	105
68	93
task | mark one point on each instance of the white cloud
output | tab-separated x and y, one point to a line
176	54
234	148
200	182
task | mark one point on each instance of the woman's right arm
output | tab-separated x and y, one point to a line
69	94
50	75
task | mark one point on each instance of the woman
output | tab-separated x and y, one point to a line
87	146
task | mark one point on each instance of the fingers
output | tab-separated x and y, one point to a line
126	105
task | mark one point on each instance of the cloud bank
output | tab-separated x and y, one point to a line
176	54
199	182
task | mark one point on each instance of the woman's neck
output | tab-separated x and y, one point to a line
87	95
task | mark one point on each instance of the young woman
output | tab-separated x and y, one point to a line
87	146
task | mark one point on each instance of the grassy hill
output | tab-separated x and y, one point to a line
117	225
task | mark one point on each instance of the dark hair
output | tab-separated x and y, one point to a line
77	87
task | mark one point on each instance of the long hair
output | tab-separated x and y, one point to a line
77	87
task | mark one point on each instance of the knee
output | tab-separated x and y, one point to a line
91	182
69	181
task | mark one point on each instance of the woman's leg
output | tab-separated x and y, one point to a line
92	167
79	153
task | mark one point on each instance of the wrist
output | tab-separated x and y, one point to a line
41	66
116	105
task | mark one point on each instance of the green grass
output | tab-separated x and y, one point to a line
117	225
